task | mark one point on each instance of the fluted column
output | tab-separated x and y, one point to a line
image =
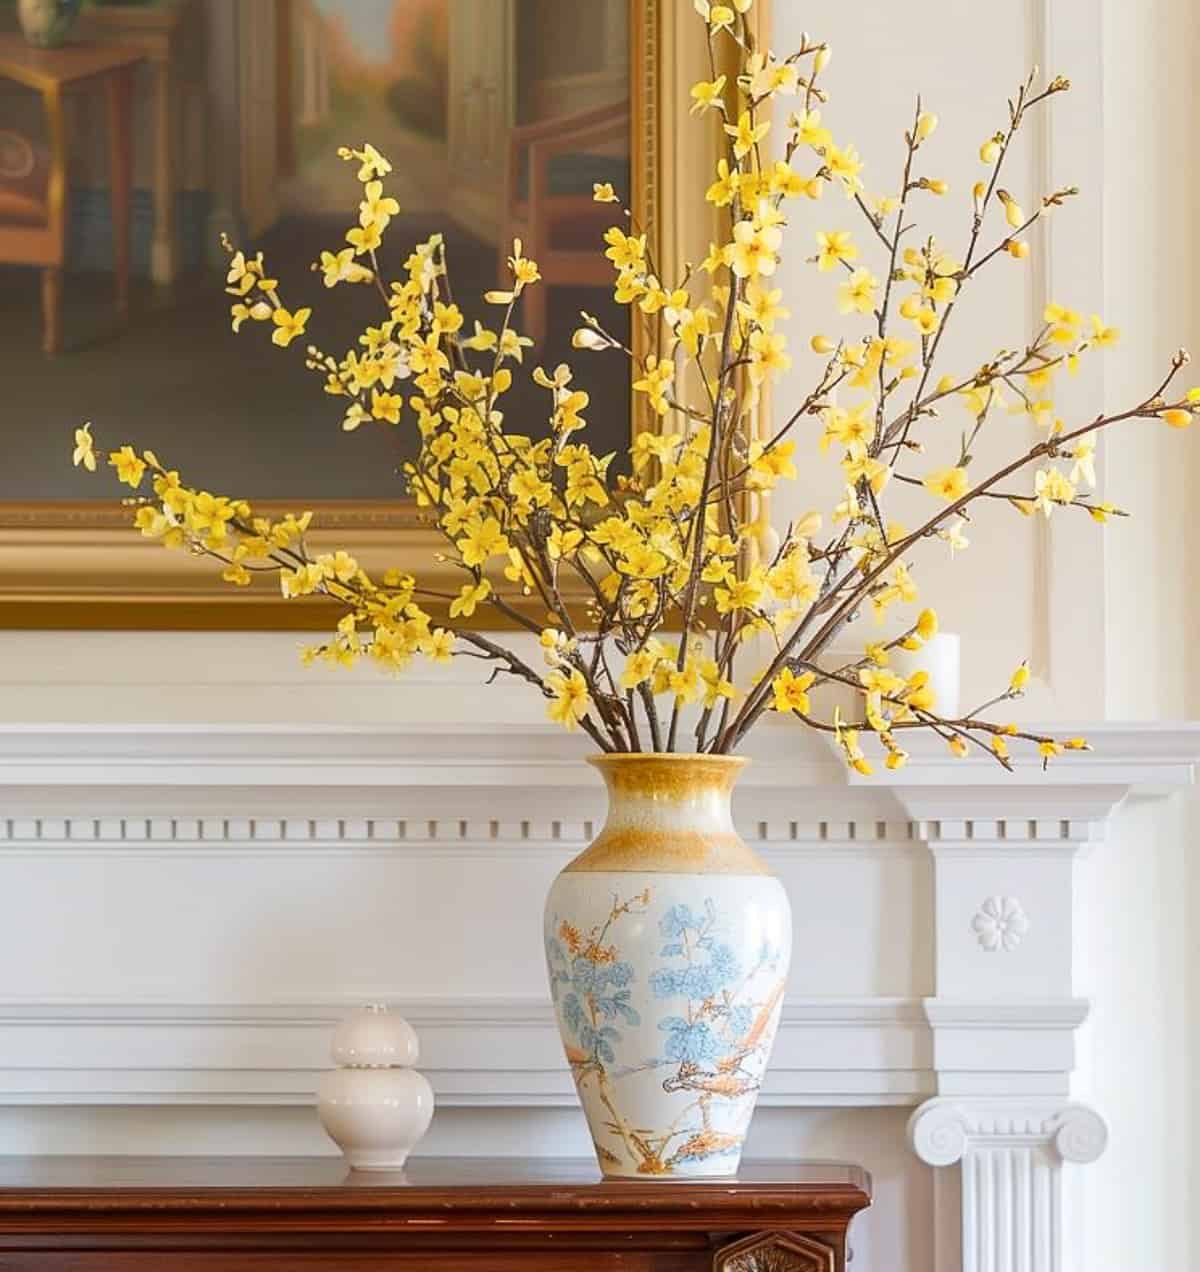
1010	1153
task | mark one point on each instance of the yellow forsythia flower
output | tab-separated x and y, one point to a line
569	701
947	483
129	465
835	246
288	325
790	691
84	453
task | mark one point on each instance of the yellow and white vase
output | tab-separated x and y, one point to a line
667	943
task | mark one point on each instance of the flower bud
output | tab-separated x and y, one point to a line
586	338
821	61
927	121
1017	248
936	186
989	152
822	344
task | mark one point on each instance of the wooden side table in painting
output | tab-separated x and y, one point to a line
161	31
33	216
257	1214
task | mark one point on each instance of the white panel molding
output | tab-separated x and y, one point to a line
501	1052
830	1052
1064	38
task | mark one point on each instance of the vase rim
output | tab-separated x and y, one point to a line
603	759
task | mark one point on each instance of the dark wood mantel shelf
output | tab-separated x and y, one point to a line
248	1214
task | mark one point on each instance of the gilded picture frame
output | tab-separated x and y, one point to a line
80	565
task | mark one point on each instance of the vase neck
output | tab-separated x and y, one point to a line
670	814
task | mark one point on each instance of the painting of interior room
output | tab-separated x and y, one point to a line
498	116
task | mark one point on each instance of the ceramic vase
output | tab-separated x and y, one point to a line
46	23
375	1106
667	944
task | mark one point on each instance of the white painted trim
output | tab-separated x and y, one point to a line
476	1052
1074	598
830	1052
1069	266
439	755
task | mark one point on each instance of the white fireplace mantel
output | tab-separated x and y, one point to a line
192	909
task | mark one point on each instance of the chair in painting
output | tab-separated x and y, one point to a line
26	211
551	168
33	179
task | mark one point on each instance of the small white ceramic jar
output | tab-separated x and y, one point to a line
375	1106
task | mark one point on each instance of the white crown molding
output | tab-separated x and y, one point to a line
248	762
428	741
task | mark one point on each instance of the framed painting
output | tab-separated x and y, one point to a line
497	115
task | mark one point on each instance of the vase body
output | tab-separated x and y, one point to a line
667	945
375	1116
375	1106
46	23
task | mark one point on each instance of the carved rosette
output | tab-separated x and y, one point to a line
775	1252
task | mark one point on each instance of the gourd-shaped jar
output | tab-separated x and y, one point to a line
375	1106
667	944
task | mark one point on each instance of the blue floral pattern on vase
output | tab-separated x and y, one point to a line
707	1007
